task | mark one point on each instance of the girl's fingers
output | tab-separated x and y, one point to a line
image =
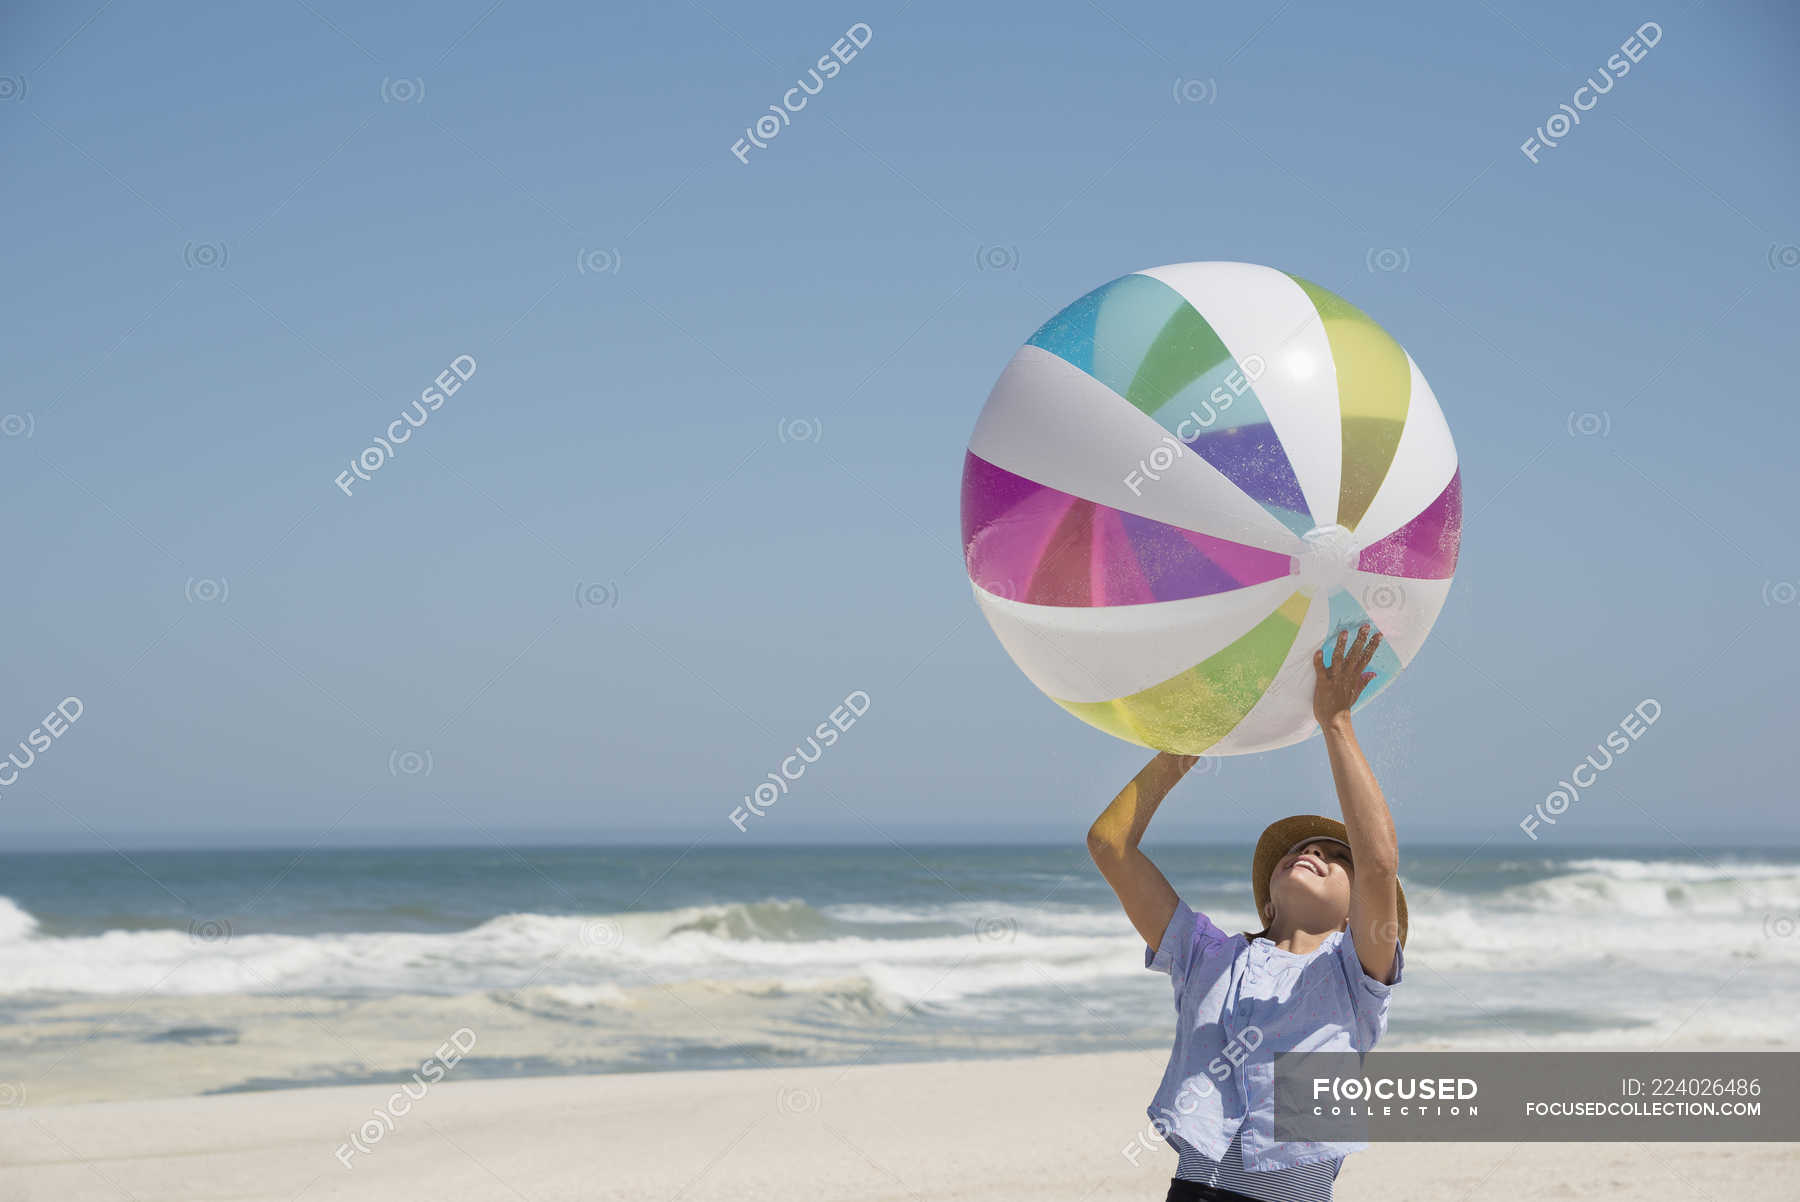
1356	648
1337	654
1369	651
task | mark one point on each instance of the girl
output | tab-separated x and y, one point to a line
1315	978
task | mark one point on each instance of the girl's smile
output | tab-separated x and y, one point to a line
1313	857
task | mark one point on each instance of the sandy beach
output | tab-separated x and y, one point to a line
997	1130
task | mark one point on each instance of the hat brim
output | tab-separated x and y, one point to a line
1280	838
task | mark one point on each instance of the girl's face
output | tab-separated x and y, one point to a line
1312	882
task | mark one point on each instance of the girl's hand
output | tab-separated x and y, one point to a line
1336	688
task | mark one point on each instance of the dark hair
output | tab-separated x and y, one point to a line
1262	934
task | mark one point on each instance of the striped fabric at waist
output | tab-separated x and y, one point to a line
1302	1183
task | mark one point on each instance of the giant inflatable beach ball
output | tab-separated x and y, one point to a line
1187	482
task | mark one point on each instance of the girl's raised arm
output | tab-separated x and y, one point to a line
1143	890
1374	903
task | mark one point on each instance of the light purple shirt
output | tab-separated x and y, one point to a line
1238	1003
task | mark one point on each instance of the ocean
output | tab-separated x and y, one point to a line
166	973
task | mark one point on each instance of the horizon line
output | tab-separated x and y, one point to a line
144	841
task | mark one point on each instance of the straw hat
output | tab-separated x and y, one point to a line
1281	838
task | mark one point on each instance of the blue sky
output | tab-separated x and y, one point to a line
245	240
